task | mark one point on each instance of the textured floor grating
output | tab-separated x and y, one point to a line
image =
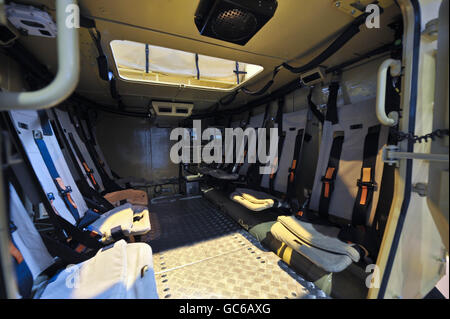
200	253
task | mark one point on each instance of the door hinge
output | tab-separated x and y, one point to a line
392	156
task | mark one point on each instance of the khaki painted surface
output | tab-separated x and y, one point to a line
297	33
438	199
419	262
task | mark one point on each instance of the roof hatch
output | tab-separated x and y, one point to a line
142	62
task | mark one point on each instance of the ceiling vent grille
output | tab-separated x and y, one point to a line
172	109
233	21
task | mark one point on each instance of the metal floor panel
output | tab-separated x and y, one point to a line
200	253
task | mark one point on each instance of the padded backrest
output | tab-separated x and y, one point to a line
292	123
354	121
255	122
70	130
233	125
25	122
26	237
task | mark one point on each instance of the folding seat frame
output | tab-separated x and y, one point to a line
83	229
278	188
239	170
130	266
78	144
339	228
258	223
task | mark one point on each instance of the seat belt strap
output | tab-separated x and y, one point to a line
282	136
273	173
63	190
296	158
45	123
366	184
314	109
332	114
89	172
108	183
330	174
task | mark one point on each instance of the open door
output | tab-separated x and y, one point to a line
437	193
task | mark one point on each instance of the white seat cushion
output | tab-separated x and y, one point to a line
318	243
129	275
253	200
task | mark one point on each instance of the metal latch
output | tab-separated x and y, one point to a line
392	156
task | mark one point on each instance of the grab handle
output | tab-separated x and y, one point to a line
66	79
396	66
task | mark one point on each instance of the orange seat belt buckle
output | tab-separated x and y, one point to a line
365	179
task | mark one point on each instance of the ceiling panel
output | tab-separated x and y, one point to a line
297	32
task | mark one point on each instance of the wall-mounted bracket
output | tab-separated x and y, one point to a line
392	156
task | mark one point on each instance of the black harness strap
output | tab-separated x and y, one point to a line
89	172
109	184
367	182
273	174
332	114
247	124
314	109
45	123
330	174
295	161
88	192
282	137
89	127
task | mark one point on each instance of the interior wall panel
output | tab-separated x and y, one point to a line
135	147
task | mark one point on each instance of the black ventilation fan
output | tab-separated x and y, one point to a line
235	21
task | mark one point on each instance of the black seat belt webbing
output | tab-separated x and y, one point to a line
366	184
89	172
109	184
314	109
330	174
82	183
332	114
295	161
282	137
45	123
